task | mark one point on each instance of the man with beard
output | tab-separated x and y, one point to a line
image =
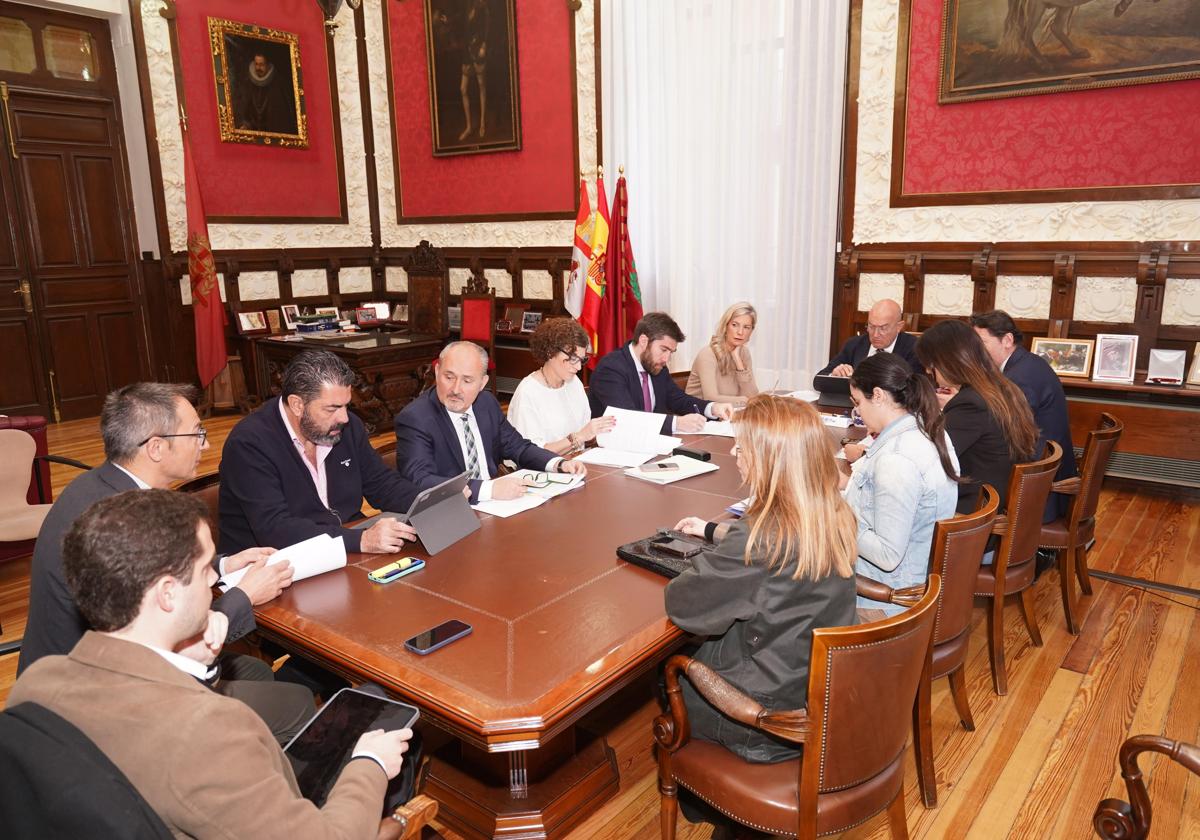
636	377
263	99
301	465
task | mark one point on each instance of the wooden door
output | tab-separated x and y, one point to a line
79	332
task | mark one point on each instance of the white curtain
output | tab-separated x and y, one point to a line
727	116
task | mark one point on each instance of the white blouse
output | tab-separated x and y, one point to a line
543	414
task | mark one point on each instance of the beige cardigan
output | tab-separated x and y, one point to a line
708	383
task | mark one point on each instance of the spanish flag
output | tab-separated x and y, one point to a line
581	253
594	293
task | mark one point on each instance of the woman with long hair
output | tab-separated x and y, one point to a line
906	481
723	371
987	417
783	570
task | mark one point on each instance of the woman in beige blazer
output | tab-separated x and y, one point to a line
723	371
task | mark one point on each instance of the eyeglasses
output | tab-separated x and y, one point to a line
577	360
202	434
539	480
880	328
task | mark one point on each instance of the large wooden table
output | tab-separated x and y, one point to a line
560	624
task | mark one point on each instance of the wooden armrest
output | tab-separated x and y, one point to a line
408	819
1115	818
1000	525
59	459
1068	486
873	590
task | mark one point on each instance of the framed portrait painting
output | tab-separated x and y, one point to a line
1066	356
260	88
474	95
1000	48
1116	356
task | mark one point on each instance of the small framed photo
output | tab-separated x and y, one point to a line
291	315
252	323
400	313
513	312
380	307
366	316
273	320
1066	356
327	310
454	317
530	321
1116	356
1193	377
504	325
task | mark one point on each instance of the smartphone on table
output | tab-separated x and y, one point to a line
437	637
395	571
679	548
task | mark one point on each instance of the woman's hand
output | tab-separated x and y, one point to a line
692	525
596	426
853	451
736	355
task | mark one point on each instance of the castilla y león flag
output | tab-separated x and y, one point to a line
207	308
621	308
581	254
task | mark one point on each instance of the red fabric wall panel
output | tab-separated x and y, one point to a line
1128	136
244	179
538	179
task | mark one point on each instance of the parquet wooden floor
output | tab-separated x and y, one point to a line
1040	758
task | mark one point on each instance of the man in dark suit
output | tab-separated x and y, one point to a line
636	377
458	427
153	439
301	465
1041	386
885	325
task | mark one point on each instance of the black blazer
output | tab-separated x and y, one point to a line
857	348
55	623
616	382
428	451
1042	387
267	493
982	449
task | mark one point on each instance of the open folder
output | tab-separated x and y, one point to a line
315	556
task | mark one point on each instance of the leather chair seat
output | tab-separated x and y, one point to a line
949	654
1019	576
765	796
22	523
1056	535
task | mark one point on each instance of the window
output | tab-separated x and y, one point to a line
16	46
70	53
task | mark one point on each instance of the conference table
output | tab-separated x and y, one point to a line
560	624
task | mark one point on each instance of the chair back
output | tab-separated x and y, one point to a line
208	488
40	492
1096	452
478	318
958	546
17	449
428	291
387	454
1028	489
861	687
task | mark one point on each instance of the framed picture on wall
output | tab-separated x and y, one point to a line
1193	377
260	89
1066	356
1116	356
252	323
291	315
474	97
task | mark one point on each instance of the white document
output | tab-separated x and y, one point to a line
510	507
836	421
805	396
722	428
613	457
687	467
637	431
314	556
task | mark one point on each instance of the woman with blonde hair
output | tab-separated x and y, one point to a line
783	570
723	371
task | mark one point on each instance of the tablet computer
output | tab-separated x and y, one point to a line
441	515
835	390
323	747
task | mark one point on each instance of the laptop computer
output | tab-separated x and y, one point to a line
441	515
835	391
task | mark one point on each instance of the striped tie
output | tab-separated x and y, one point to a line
472	455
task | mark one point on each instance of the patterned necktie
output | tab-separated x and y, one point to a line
646	406
472	454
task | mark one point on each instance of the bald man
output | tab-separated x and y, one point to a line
885	334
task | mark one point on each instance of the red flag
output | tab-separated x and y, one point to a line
594	293
207	308
581	254
621	308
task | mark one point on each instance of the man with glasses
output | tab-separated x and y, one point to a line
885	334
458	427
153	440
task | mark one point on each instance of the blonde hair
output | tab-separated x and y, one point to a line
717	342
796	510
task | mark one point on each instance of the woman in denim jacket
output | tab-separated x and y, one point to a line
906	481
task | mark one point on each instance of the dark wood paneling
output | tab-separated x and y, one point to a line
103	232
1149	430
116	336
80	394
48	202
19	390
38	127
77	291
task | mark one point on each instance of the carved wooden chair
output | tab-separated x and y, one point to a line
479	321
1011	571
1116	819
428	291
1069	535
958	546
862	682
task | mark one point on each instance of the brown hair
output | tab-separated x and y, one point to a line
717	342
796	510
954	350
656	325
556	335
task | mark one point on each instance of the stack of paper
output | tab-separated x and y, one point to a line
805	396
836	421
505	508
685	468
723	428
315	556
637	431
613	457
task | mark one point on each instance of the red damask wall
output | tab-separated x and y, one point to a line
538	179
1137	135
243	179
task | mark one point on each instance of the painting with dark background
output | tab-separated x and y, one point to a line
473	92
999	48
260	91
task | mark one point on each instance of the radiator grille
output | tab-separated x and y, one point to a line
1153	468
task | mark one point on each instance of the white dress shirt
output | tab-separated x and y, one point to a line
637	363
318	472
891	348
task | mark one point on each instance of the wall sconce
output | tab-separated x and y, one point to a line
330	9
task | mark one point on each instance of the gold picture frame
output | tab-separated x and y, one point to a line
1193	377
1068	357
260	87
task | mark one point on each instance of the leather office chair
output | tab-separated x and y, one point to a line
208	488
1119	820
958	546
1069	535
1011	571
20	521
862	683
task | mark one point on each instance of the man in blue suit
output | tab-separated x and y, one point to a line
636	377
1041	386
885	324
458	427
